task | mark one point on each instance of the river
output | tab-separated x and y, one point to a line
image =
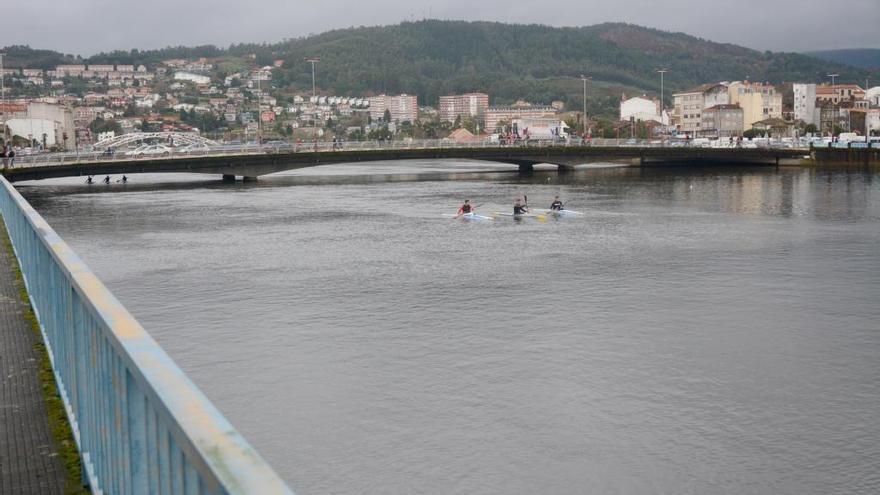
695	331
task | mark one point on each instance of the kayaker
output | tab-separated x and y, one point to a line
556	205
519	208
466	208
90	180
107	180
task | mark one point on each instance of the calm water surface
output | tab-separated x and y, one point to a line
709	331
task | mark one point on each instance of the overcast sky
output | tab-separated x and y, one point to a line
89	26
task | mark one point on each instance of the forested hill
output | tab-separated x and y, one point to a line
866	58
535	62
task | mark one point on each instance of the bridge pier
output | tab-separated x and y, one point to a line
228	178
526	168
247	178
563	169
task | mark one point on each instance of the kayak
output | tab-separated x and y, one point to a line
474	217
565	213
521	216
469	217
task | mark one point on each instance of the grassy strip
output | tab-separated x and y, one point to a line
58	423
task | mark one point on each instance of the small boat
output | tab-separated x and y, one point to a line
564	213
471	217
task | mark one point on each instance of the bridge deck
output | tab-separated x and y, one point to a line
29	461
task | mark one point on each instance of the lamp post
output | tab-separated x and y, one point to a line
662	72
313	61
585	79
3	95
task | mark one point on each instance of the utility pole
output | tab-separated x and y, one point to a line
585	79
662	101
313	61
3	95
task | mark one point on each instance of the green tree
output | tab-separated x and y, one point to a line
100	125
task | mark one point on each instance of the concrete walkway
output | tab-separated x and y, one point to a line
29	462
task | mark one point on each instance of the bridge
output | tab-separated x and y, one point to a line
250	161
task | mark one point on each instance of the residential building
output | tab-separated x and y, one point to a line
472	105
805	103
101	69
758	101
722	121
839	93
193	78
640	108
70	70
689	105
873	96
499	114
872	121
775	127
403	108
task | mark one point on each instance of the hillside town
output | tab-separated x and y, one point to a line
72	107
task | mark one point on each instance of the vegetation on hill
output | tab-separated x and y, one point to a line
533	62
866	58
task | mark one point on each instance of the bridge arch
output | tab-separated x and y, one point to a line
137	138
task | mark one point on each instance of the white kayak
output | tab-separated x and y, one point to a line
469	217
564	213
520	215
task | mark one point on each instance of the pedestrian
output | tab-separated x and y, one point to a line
4	156
11	158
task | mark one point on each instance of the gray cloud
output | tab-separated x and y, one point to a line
89	26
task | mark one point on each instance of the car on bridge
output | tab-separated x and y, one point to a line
149	150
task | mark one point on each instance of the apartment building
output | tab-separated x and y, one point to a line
403	108
472	105
689	105
497	115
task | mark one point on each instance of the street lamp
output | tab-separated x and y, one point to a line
313	61
585	79
662	72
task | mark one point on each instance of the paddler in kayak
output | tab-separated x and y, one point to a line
465	208
519	208
557	205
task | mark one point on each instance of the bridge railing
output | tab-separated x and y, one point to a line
140	424
67	158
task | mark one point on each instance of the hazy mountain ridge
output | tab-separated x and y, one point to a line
865	58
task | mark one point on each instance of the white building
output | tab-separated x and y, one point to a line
640	108
873	96
872	121
403	108
193	78
805	103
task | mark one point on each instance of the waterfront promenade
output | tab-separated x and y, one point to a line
29	459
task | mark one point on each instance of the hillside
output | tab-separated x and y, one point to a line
865	58
539	63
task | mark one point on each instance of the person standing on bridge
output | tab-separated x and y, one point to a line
11	158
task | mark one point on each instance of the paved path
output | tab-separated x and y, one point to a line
28	459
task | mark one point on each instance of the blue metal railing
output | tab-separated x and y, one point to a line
140	424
